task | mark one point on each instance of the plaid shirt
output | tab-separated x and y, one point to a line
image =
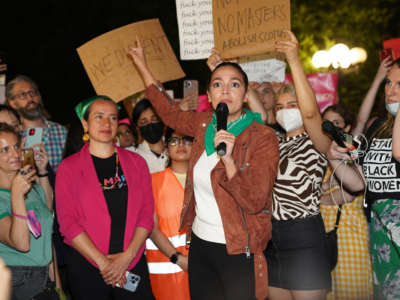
54	137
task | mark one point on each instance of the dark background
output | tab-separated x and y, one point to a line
40	38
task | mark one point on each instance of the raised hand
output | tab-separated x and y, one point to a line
290	48
137	54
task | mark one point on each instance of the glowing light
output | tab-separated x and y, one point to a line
321	59
339	56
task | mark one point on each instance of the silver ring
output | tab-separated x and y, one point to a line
22	172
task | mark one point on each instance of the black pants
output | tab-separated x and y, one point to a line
86	283
215	275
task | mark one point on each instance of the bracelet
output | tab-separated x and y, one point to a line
19	216
43	175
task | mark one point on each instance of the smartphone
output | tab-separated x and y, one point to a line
132	282
190	87
385	53
33	136
27	157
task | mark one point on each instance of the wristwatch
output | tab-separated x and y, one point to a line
174	257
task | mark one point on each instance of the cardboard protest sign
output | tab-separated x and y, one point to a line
325	87
196	36
248	27
113	73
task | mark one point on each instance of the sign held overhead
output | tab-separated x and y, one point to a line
112	72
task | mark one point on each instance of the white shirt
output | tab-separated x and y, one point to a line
155	164
207	224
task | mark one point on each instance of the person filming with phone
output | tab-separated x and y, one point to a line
25	218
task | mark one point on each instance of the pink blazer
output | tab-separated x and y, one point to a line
81	206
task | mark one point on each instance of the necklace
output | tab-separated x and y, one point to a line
116	181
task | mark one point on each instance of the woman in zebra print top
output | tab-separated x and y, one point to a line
298	265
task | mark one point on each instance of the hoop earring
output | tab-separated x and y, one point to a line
85	137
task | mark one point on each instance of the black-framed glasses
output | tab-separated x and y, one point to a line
175	140
24	95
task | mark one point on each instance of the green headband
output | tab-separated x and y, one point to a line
82	107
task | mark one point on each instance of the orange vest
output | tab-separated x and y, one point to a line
168	280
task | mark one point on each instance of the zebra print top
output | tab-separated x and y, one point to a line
298	184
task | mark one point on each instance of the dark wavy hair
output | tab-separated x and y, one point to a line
346	114
233	65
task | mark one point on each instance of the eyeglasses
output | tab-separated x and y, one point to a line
186	140
126	133
24	95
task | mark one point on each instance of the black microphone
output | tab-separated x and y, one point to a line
222	113
336	133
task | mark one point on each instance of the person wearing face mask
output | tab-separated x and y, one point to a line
298	265
378	172
151	129
353	227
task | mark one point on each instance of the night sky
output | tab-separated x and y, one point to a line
40	40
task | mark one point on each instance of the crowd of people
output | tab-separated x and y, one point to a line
145	207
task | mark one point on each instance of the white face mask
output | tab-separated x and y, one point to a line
392	108
289	118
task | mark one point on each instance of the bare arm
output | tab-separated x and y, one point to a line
165	245
305	96
336	196
350	174
84	245
41	161
255	105
396	138
369	100
170	113
14	230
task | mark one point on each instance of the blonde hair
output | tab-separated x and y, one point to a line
287	88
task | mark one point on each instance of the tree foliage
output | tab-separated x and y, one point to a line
357	23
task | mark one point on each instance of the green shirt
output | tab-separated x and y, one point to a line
40	253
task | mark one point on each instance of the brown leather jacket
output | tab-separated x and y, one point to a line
244	200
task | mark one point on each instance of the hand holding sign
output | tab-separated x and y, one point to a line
290	48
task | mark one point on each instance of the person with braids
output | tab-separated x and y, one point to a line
379	173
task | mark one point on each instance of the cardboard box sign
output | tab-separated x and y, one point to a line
113	73
248	27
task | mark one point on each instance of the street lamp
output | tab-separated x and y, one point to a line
339	56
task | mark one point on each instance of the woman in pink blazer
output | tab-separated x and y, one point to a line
105	210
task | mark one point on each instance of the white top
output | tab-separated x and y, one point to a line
155	164
207	224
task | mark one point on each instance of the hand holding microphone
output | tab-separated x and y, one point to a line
222	113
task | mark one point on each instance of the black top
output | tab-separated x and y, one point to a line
115	192
380	169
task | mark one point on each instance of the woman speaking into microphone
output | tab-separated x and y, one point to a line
226	197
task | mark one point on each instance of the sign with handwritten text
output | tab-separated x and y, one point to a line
195	25
248	27
112	72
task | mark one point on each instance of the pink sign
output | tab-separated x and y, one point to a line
325	87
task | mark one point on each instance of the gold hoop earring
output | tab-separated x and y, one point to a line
85	137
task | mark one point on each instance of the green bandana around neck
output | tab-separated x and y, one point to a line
236	127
